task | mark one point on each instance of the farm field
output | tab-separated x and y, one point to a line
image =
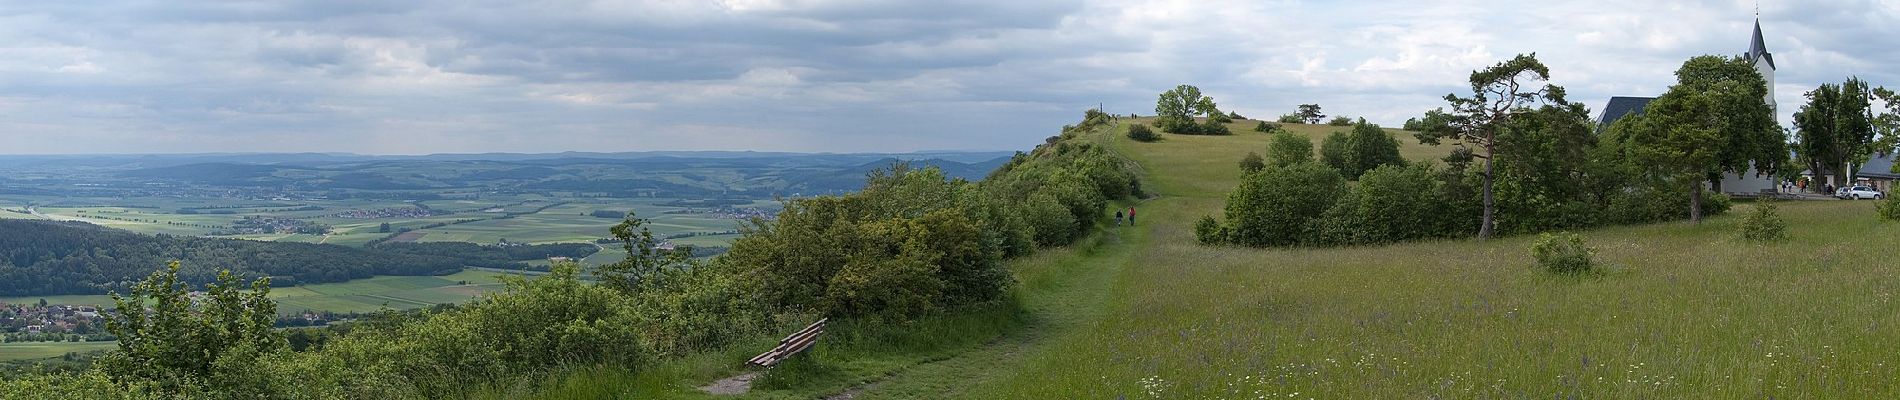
1684	311
38	350
361	295
568	222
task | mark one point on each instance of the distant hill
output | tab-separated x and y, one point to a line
220	173
695	174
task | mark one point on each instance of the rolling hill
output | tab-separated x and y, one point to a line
1686	310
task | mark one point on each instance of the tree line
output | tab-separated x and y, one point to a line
1524	159
52	258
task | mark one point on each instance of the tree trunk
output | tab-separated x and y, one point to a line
1695	200
1486	227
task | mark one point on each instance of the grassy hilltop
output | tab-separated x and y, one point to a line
1686	311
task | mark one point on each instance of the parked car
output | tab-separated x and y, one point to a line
1860	192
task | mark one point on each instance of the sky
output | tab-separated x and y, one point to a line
462	76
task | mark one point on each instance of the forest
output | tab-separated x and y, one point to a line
53	258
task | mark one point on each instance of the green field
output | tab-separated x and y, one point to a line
1684	311
361	295
565	223
38	350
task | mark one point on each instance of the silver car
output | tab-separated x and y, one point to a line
1859	192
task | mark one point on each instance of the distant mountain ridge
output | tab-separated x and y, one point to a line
666	174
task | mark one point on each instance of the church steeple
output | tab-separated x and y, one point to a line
1758	49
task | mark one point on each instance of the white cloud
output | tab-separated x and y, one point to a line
841	75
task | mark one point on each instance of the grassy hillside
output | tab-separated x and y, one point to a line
1686	311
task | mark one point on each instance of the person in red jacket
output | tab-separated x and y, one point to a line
1131	216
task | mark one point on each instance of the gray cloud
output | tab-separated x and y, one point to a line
818	75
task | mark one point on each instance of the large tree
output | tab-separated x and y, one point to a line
1176	108
1751	141
1835	129
1497	94
1716	100
1310	113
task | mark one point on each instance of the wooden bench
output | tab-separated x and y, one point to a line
791	345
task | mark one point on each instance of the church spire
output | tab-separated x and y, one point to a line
1757	48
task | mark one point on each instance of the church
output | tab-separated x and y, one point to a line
1750	183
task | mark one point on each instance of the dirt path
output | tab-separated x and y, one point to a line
735	385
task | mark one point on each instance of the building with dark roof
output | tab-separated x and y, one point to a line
1748	183
1619	107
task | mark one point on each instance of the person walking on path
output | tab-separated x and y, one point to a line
1118	217
1131	216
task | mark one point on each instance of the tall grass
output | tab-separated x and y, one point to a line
1688	310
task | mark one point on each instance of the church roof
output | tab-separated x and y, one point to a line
1620	107
1758	49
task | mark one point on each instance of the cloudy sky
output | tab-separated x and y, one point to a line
409	77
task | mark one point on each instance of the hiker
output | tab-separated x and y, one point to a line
1118	217
1131	216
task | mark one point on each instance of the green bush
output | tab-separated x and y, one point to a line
1333	151
1340	121
1266	127
91	385
1563	253
1272	207
1219	118
1252	163
1208	231
1764	224
1291	119
1890	209
1214	126
1141	133
183	344
1369	147
1287	148
1051	223
1390	204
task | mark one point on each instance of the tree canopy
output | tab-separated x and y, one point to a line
1498	93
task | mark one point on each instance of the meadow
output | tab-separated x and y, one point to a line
567	222
1686	310
39	350
1681	310
361	295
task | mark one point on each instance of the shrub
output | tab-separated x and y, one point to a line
1235	115
1340	121
1391	203
1272	207
1214	127
1563	253
1369	147
1141	133
1890	209
1286	148
1208	231
1333	151
1290	119
1764	224
1266	127
1052	224
181	343
1252	163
